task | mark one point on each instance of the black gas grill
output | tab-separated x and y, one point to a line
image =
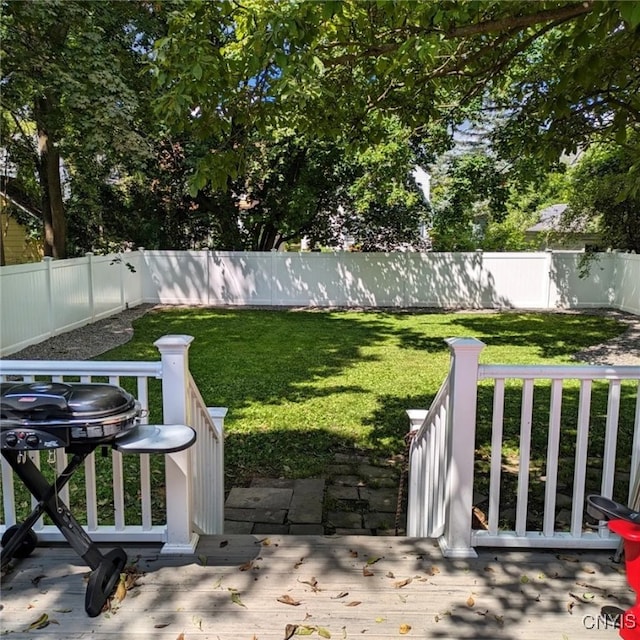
79	418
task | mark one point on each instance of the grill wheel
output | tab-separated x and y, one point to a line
26	546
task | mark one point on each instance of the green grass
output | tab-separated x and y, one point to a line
302	385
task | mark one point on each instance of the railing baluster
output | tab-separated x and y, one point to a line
553	445
496	456
526	419
611	432
580	470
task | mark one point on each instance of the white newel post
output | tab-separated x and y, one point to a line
465	354
174	350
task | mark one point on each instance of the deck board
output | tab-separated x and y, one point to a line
501	594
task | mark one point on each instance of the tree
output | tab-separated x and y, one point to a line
470	192
72	91
601	195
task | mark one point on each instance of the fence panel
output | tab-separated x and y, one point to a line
70	293
24	303
569	290
176	277
626	282
107	285
515	280
240	278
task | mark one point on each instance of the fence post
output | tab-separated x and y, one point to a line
48	263
90	296
174	351
549	268
461	430
479	259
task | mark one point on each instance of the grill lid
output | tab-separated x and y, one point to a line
39	403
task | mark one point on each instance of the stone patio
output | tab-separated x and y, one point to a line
355	497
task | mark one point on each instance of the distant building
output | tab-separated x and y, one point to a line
17	244
549	233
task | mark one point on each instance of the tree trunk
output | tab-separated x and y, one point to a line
53	213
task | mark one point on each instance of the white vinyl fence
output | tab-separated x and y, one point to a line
120	492
44	299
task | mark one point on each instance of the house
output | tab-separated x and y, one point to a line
17	242
549	233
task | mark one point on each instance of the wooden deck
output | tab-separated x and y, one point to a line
237	588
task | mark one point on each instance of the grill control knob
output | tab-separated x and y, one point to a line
32	440
11	439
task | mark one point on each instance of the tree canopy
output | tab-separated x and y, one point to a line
243	124
566	72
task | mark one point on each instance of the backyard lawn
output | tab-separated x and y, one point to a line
303	385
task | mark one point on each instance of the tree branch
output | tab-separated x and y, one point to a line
511	23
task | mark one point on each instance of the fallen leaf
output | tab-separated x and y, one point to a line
246	566
524	579
402	583
265	542
223	543
36	581
289	631
342	594
366	571
203	560
180	637
305	631
297	564
373	560
197	622
470	602
40	623
235	598
380	619
161	625
313	583
405	628
324	633
489	569
353	603
121	591
390	575
353	554
286	599
434	570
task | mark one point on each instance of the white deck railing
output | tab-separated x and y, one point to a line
443	455
193	480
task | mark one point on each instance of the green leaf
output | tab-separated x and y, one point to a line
630	12
324	633
197	71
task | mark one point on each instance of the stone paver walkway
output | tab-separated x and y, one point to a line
355	497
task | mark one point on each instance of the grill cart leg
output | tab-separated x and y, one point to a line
106	568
